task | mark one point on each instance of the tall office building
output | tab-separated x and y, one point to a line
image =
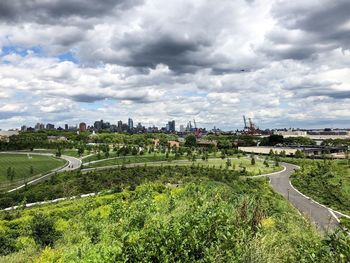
50	126
98	125
171	126
130	124
182	128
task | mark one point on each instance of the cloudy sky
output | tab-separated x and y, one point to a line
283	63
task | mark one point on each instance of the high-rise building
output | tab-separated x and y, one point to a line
119	126
130	124
98	125
171	126
66	127
50	126
39	126
82	126
182	128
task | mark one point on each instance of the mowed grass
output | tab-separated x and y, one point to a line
21	164
236	164
330	187
69	152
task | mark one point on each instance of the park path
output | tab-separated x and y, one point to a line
323	217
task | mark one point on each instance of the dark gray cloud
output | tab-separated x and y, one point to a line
308	29
179	54
48	12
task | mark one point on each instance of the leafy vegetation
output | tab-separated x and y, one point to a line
75	183
326	181
223	219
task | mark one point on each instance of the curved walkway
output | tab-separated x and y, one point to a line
323	217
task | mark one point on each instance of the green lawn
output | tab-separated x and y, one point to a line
327	182
21	164
237	164
69	152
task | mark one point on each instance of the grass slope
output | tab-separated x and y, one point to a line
235	164
21	163
203	221
328	182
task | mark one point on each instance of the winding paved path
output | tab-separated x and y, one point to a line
323	217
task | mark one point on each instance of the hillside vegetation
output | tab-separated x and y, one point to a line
75	183
228	220
328	182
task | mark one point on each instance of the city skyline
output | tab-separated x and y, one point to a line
282	63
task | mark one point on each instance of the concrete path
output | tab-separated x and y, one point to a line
323	217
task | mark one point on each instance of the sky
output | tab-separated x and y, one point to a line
283	63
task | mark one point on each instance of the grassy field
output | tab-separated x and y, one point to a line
69	152
236	164
327	182
21	164
157	156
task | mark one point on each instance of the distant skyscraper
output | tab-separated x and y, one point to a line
39	126
130	124
182	128
50	126
171	126
98	125
66	127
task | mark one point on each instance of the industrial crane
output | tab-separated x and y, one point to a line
251	129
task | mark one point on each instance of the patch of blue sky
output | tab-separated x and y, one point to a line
21	51
96	104
194	94
284	105
68	56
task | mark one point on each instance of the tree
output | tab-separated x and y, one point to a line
134	151
299	154
222	155
228	162
9	171
190	141
274	139
252	161
266	163
81	150
43	230
58	152
12	174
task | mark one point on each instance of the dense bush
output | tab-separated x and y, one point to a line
75	183
198	222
